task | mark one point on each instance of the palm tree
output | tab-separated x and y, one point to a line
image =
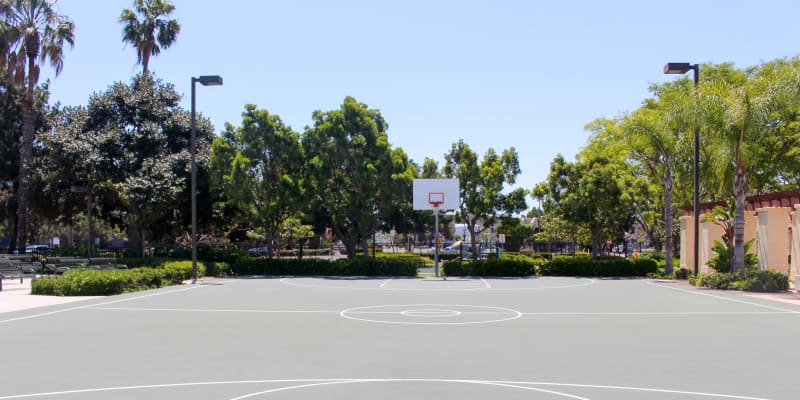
740	113
655	133
32	31
150	33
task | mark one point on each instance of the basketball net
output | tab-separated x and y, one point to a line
436	207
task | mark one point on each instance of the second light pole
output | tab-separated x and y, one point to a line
682	68
206	80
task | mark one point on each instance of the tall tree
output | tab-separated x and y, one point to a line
133	142
264	178
481	186
32	34
657	136
594	192
740	113
351	172
430	169
147	29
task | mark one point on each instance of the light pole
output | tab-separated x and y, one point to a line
682	68
206	80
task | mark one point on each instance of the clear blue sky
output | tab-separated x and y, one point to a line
496	73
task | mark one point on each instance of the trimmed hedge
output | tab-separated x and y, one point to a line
756	281
682	273
87	282
517	266
610	266
313	266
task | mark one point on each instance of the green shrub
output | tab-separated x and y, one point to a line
601	266
88	282
756	281
218	268
719	280
512	266
653	255
682	273
766	281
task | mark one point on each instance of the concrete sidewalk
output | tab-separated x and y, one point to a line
17	296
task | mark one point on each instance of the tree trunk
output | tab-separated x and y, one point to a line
135	237
740	193
350	246
365	247
301	243
24	159
472	237
13	242
270	243
597	242
668	220
145	61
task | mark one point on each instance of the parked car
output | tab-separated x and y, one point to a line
37	248
258	251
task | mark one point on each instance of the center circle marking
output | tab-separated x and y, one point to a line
430	312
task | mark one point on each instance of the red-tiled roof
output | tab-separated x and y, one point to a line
777	199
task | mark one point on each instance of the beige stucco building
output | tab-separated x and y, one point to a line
770	219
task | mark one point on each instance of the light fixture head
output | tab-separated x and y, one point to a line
209	80
677	68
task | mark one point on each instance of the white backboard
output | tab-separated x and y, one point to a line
425	189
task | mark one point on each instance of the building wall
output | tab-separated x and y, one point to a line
773	238
687	242
709	232
795	234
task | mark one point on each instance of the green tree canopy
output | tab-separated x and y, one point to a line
132	142
351	171
741	114
264	173
481	186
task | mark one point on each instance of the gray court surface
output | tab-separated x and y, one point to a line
402	338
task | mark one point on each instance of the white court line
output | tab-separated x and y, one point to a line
363	313
385	283
217	310
247	396
287	281
545	314
725	298
100	304
457	288
462	312
540	314
323	380
488	286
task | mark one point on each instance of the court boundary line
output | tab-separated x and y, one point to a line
535	313
104	303
699	293
323	380
486	285
283	389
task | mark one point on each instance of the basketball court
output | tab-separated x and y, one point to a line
402	338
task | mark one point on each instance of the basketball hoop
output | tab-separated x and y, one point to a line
435	199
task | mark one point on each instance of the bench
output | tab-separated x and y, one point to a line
14	269
59	265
